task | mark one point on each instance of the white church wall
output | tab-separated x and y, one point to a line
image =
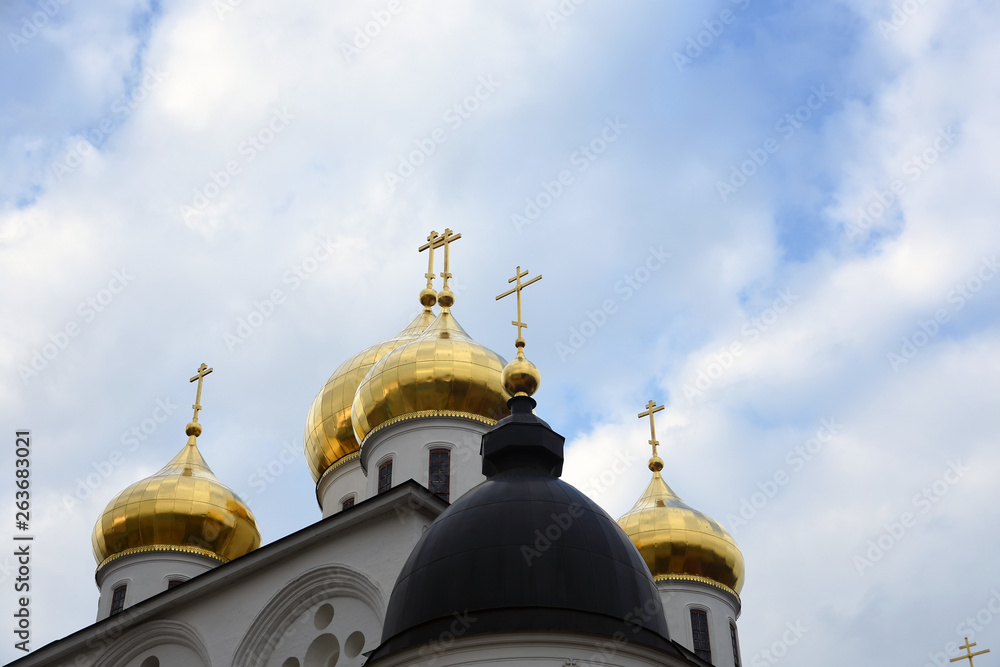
146	574
273	611
408	444
159	643
529	650
679	597
319	592
167	655
338	630
336	485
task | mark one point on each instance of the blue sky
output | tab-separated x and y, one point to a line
746	158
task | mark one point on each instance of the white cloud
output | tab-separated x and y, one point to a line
324	175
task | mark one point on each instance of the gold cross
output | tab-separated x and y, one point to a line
203	370
520	286
433	242
969	654
652	409
444	240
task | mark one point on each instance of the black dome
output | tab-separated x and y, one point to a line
523	551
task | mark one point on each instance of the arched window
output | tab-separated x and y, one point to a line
118	599
439	477
736	644
347	503
385	476
174	583
699	633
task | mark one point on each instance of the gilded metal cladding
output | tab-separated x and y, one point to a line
521	377
442	370
676	540
183	507
329	433
423	414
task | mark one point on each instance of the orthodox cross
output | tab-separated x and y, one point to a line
651	409
433	242
968	652
444	240
203	370
520	286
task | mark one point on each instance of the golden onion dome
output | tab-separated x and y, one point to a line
443	372
678	542
329	435
183	507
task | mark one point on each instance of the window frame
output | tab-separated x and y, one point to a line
446	494
118	603
736	643
706	652
380	488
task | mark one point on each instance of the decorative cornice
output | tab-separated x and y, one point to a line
699	579
420	414
413	416
339	463
162	547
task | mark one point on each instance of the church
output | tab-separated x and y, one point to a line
447	537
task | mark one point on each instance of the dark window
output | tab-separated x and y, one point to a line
348	503
699	632
118	599
385	476
440	473
174	583
736	644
